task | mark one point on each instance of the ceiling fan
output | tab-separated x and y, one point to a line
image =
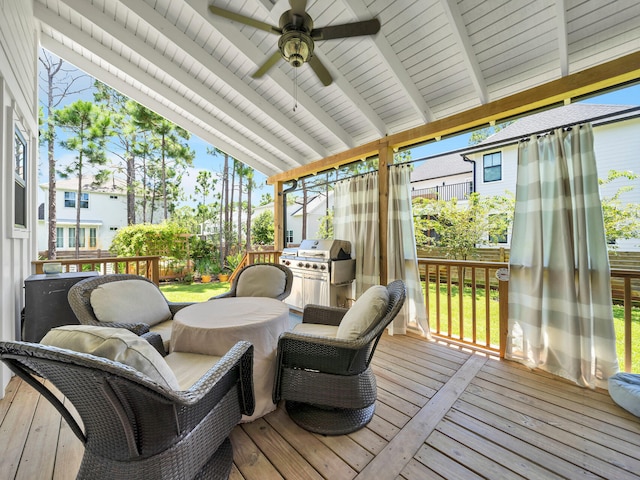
297	36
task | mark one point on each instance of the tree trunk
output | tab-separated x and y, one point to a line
78	206
240	207
248	238
164	178
225	182
52	216
131	193
304	209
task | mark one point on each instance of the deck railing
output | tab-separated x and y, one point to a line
147	266
479	316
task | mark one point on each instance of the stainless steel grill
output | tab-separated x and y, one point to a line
323	271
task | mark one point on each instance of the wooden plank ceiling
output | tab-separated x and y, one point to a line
431	60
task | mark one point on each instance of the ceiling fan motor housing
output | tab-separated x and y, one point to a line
296	47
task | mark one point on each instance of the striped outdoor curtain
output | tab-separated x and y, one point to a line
355	218
402	258
560	314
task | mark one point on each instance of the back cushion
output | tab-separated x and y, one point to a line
261	281
367	310
117	344
129	301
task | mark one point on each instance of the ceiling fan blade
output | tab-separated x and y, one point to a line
322	73
366	27
236	17
298	6
271	61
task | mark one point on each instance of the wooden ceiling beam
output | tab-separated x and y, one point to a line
610	74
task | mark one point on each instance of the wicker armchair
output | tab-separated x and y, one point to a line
252	278
79	297
327	383
133	428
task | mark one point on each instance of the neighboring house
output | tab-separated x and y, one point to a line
616	144
443	177
316	210
103	210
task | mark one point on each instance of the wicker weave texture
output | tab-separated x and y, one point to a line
332	376
134	428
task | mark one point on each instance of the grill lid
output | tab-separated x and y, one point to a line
326	249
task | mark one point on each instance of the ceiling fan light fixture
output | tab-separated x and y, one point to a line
296	48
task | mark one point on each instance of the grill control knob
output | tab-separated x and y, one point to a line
323	267
315	265
306	265
300	264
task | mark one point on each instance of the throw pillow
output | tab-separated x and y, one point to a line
129	301
367	310
117	344
624	389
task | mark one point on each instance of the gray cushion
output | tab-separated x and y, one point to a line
261	281
129	301
624	389
367	310
117	344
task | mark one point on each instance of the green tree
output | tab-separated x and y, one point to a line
482	134
458	229
263	231
88	127
621	220
205	183
166	239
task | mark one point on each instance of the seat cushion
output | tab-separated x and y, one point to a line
624	389
320	330
261	281
164	330
130	301
365	312
189	367
117	344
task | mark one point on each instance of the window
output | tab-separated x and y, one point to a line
84	200
20	180
92	237
59	237
70	200
288	238
81	239
492	167
498	226
113	229
72	238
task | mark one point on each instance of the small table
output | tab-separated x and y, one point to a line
213	327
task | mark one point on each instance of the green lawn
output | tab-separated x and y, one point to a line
193	292
618	320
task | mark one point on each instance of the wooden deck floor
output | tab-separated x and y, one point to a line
441	413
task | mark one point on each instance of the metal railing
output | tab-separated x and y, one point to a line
479	317
461	191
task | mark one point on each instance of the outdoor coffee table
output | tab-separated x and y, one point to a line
213	327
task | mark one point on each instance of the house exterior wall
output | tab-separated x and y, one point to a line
18	110
616	146
106	212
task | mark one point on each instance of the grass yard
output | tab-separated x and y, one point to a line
193	292
481	327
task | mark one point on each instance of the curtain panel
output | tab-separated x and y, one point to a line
356	219
560	313
402	257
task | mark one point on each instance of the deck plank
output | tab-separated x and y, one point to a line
441	413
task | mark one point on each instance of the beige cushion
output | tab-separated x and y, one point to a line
320	330
164	330
189	367
261	281
117	344
367	310
129	301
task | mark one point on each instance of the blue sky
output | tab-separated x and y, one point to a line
204	161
